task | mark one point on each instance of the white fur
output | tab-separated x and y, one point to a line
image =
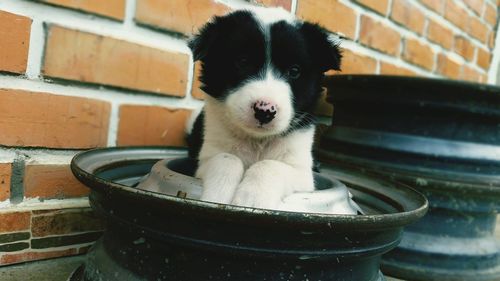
268	16
257	172
240	105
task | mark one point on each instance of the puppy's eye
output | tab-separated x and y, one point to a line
294	72
241	62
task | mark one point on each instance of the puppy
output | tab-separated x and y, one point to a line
261	71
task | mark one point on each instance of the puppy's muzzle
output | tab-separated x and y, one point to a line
264	112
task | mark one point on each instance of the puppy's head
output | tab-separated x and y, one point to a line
265	67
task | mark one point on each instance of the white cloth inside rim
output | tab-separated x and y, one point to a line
334	200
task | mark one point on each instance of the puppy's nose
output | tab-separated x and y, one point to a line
264	111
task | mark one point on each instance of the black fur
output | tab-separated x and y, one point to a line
231	50
194	140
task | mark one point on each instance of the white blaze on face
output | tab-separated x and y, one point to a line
240	105
268	16
269	89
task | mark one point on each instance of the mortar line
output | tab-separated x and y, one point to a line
35	52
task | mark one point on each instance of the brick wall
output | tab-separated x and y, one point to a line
81	74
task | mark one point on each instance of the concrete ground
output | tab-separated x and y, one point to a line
48	270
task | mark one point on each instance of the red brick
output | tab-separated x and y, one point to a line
285	4
490	14
406	13
52	181
46	120
14	221
180	16
65	222
379	36
456	15
439	34
152	125
475	5
464	47
196	92
448	67
354	63
391	69
5	174
436	5
31	256
483	58
86	57
478	30
14	42
470	74
331	14
419	53
110	8
379	6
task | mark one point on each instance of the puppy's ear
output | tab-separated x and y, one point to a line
201	43
325	50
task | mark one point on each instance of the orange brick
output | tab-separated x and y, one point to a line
285	4
31	256
406	13
46	120
464	47
448	67
456	15
152	125
196	92
419	53
110	8
478	30
379	36
5	174
470	74
483	58
475	5
52	181
14	42
440	34
15	221
436	5
332	15
490	14
353	63
491	40
179	16
483	78
86	57
379	6
391	69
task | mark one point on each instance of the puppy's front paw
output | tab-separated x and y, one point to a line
255	197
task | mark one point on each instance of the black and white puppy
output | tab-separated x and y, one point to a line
261	70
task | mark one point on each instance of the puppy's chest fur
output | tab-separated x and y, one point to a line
251	151
220	136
